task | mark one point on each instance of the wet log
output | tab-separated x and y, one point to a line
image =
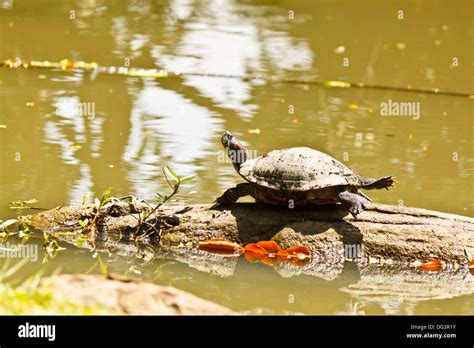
381	234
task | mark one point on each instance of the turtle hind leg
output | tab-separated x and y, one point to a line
381	183
233	194
353	202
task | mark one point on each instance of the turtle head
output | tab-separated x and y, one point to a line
235	150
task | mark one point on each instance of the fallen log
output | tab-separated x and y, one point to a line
382	233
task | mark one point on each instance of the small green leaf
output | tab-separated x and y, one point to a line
107	192
25	227
169	172
188	178
80	242
85	198
84	223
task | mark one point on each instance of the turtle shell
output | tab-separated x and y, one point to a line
297	169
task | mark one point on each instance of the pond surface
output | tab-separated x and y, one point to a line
134	126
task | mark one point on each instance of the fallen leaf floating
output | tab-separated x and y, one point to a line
298	252
263	251
263	247
432	265
256	257
266	252
270	246
221	246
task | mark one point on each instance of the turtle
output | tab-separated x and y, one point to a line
297	176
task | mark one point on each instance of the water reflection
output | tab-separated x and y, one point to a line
219	41
141	125
166	128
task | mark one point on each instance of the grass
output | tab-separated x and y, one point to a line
30	298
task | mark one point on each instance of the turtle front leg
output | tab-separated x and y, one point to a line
233	194
382	183
353	202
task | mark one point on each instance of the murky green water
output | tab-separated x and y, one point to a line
50	153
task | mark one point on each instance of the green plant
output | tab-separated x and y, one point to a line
174	181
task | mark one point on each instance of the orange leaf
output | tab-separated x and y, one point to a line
432	265
471	267
220	244
254	257
298	252
270	246
255	248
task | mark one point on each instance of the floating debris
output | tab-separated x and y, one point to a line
337	84
339	50
68	65
76	146
432	265
401	45
23	204
254	131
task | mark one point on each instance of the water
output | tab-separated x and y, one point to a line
50	153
